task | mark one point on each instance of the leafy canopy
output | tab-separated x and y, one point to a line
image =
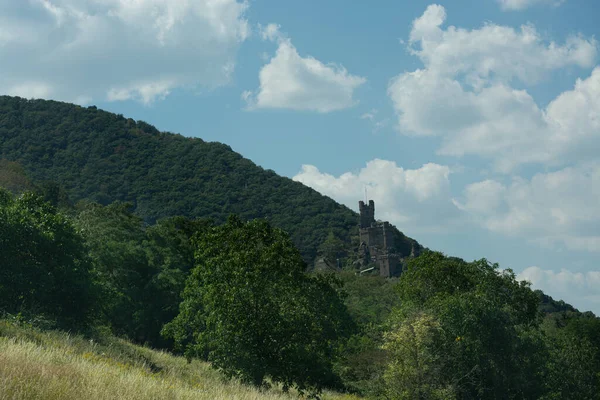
104	157
44	267
142	269
470	331
249	308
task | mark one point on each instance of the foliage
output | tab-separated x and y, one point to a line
572	372
14	178
142	269
370	299
478	329
237	294
53	365
573	340
103	157
44	268
332	248
252	311
418	359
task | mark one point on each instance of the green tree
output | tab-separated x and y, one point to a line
332	248
102	157
252	311
572	372
573	341
44	268
13	177
170	255
492	346
418	360
142	269
370	299
115	238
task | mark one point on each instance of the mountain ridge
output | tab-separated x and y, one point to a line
105	157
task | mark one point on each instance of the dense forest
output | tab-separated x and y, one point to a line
174	271
104	157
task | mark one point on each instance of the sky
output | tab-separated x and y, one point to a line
473	125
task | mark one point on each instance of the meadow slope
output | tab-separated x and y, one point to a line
49	365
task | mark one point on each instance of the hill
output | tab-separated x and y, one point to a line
56	365
104	157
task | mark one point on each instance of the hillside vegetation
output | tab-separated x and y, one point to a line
235	295
104	157
52	365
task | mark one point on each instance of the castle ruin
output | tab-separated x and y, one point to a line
377	242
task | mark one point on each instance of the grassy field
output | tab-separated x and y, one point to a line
55	365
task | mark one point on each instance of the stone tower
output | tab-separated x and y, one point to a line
367	213
377	241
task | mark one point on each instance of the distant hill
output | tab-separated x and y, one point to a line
103	157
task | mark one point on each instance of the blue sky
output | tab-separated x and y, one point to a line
475	125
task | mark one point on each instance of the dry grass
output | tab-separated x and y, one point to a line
55	365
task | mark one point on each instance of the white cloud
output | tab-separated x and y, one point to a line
370	115
271	32
580	289
301	83
560	208
426	27
117	49
483	197
146	92
417	200
30	90
377	123
464	93
517	5
492	52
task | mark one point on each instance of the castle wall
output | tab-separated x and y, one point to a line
380	235
380	240
367	213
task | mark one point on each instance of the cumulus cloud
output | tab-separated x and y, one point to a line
464	93
492	51
581	289
518	5
483	197
271	32
414	199
294	82
117	49
559	208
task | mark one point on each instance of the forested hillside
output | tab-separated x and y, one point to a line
104	157
237	295
138	258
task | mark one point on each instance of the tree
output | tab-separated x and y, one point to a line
115	240
418	359
370	299
44	268
142	269
170	255
332	248
102	157
572	373
573	368
490	342
13	177
250	309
